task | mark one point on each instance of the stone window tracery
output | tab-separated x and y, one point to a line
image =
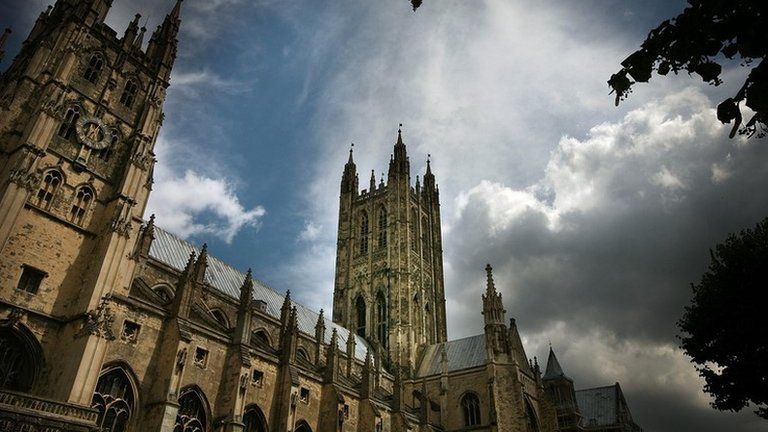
93	70
381	320
114	399
382	227
470	404
83	199
364	230
51	182
129	93
254	420
192	413
220	317
16	372
71	116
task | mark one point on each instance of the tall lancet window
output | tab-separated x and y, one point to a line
82	201
48	188
381	319
95	64
360	311
71	116
425	237
470	404
382	227
414	228
364	231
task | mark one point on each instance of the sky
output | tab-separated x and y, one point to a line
595	218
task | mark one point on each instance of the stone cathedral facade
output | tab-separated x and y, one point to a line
110	323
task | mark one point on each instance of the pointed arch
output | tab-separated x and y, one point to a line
531	419
364	231
382	226
52	180
130	89
254	419
382	319
21	357
82	200
261	338
360	311
470	406
194	411
115	397
302	426
164	293
69	120
94	66
220	317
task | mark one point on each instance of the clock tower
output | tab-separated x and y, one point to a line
80	111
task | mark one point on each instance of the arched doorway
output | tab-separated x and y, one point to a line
193	411
254	420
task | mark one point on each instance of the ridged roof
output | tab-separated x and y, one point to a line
174	252
462	354
598	405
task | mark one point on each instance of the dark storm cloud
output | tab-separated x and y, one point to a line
603	267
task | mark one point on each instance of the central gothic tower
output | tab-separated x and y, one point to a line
389	260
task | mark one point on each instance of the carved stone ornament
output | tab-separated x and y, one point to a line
98	322
181	358
14	316
243	382
24	179
92	132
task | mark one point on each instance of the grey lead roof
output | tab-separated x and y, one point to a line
174	252
462	354
598	405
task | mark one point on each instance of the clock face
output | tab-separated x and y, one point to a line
92	132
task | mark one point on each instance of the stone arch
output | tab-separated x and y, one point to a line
220	317
194	413
531	419
21	356
254	419
164	292
470	407
261	337
116	397
302	426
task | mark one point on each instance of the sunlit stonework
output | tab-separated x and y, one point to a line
105	327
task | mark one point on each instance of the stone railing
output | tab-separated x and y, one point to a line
34	413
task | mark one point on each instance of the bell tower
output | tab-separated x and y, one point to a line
389	261
80	111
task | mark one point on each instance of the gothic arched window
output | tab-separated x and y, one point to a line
261	338
93	70
381	319
129	93
254	420
83	199
360	310
424	237
16	362
71	116
364	230
114	399
470	404
164	292
382	227
303	427
51	182
220	317
532	423
192	412
414	229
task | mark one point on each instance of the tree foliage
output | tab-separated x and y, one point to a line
726	325
697	41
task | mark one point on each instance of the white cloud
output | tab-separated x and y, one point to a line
193	204
311	231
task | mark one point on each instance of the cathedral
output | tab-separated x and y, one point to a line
110	323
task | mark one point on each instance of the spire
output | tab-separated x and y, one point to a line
3	39
349	179
490	287
351	344
331	358
176	10
139	42
246	291
146	238
163	43
182	301
399	166
202	264
554	370
285	309
131	31
373	182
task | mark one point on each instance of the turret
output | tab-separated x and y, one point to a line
351	346
201	265
496	334
129	37
163	43
182	300
332	359
319	335
559	388
349	178
399	165
146	238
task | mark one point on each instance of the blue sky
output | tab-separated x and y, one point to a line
596	218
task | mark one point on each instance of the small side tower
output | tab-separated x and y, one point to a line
559	388
389	264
